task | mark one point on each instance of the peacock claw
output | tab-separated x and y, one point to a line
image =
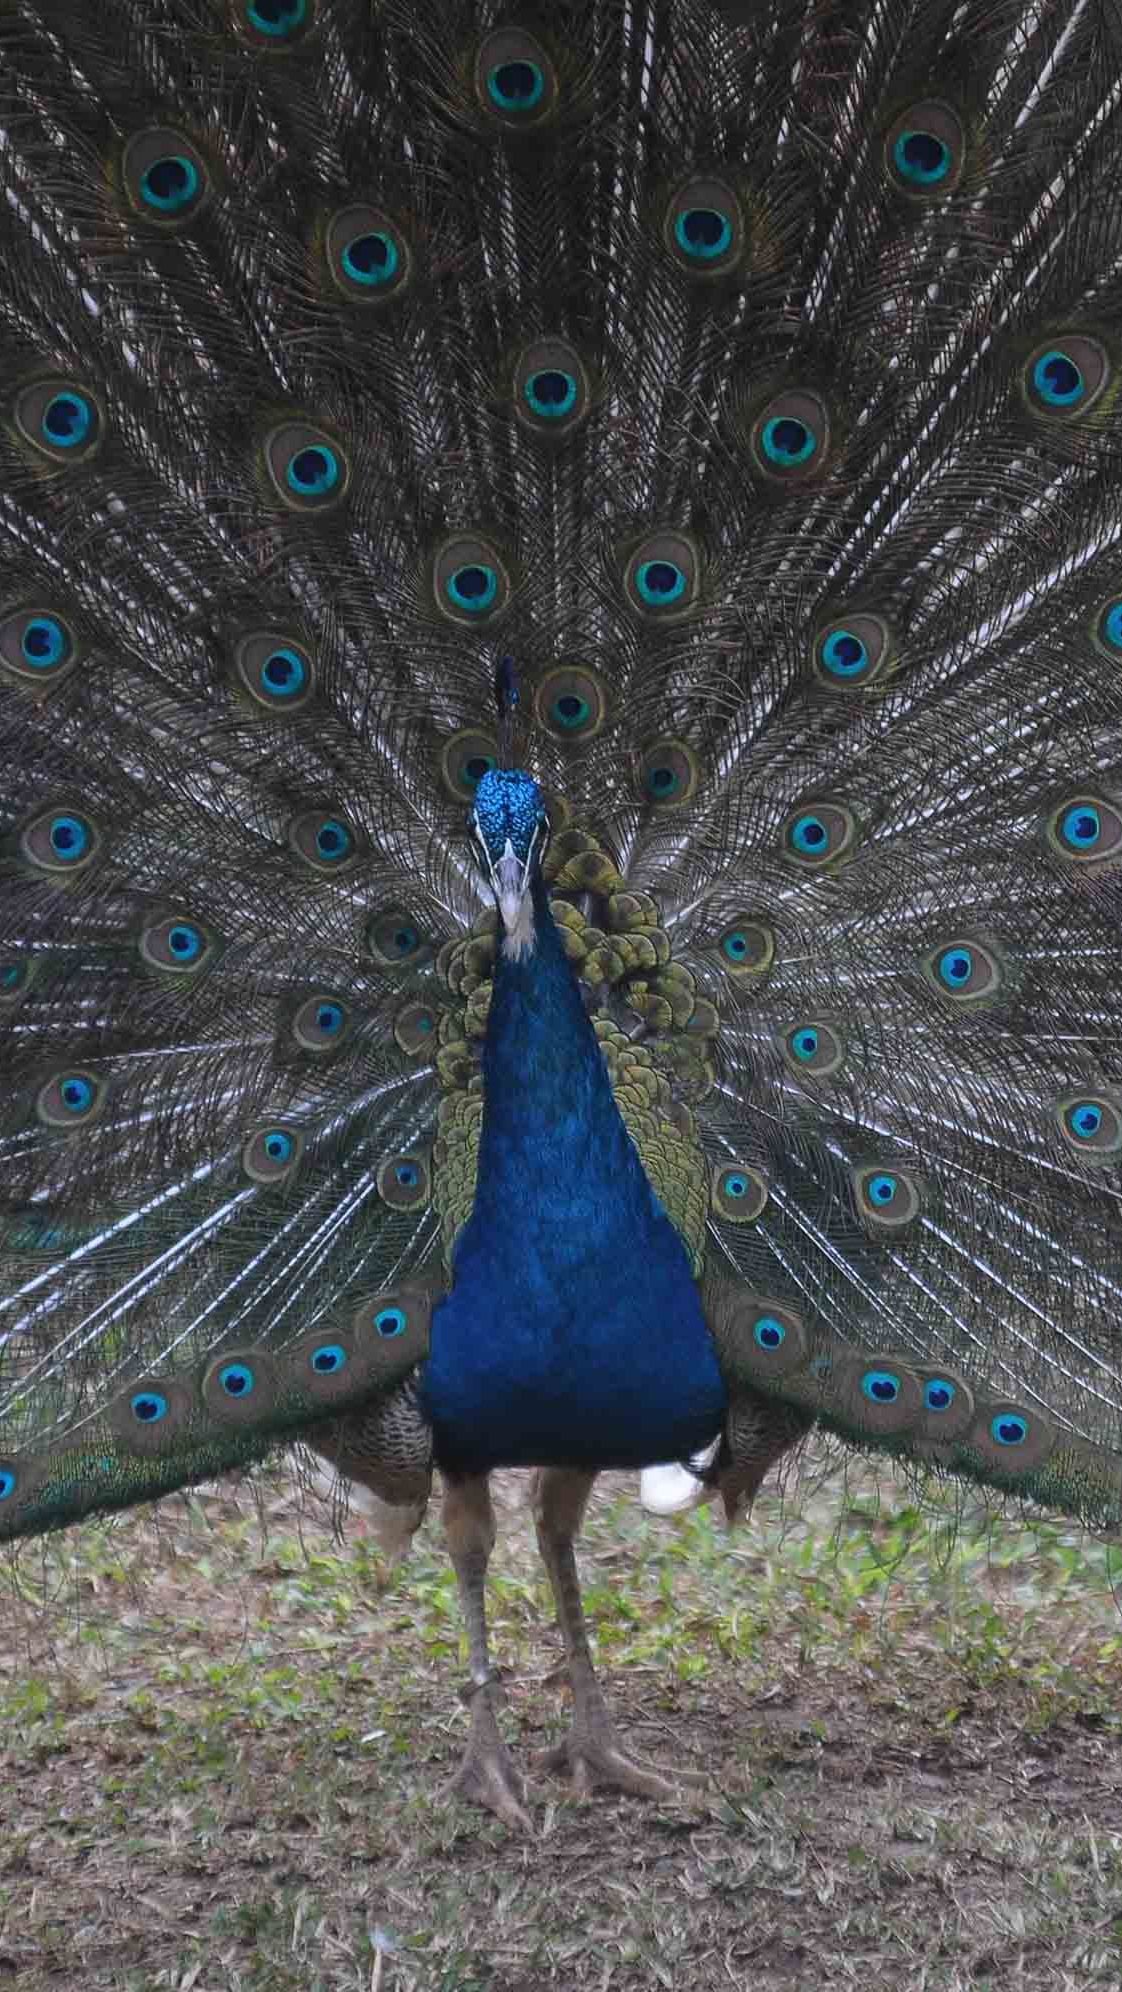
488	1775
593	1760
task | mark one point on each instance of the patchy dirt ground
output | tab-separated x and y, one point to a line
230	1777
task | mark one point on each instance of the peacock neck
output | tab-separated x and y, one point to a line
551	1127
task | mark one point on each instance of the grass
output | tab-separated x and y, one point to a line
225	1773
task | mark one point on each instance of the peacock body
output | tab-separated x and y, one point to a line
561	728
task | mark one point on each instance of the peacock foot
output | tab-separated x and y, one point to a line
592	1758
488	1775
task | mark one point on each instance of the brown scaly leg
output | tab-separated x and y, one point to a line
590	1753
487	1775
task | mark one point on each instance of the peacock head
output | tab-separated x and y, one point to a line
511	831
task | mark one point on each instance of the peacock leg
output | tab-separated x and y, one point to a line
487	1775
590	1753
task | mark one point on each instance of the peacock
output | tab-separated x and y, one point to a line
560	758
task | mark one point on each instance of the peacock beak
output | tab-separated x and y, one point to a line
510	878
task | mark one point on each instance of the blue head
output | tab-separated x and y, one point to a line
511	830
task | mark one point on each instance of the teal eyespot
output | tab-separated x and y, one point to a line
272	1154
660	582
390	1321
1108	629
321	1023
668	772
769	1333
515	81
277	20
746	947
324	840
307	470
516	87
965	970
164	177
149	1407
703	229
1064	378
925	150
819	834
403	1181
313	471
7	1482
813	1049
67	420
790	437
1086	829
170	184
880	1386
329	1359
738	1193
236	1379
70	1098
278	1145
702	233
661	576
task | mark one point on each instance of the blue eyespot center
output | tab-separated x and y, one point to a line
149	1407
551	393
44	642
956	965
1008	1429
284	673
938	1394
660	582
922	158
278	1145
333	840
170	184
185	942
371	259
236	1379
390	1321
787	441
570	711
329	1019
314	471
1110	625
69	837
804	1042
407	1175
843	654
76	1094
516	86
880	1386
474	587
768	1333
663	782
882	1189
1082	827
735	945
1085	1119
703	233
1057	379
810	835
67	420
735	1186
277	17
7	1483
329	1359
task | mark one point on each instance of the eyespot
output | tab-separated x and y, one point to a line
1091	1123
176	945
925	150
661	576
274	25
819	834
59	419
415	1028
60	840
16	974
272	1154
813	1049
321	1023
746	947
403	1181
887	1197
1010	1439
164	177
465	758
325	840
964	969
368	256
764	1341
569	704
277	672
948	1403
552	393
1107	631
1066	376
1085	829
703	228
306	470
851	651
790	438
470	582
70	1098
878	1397
395	939
148	1418
38	648
738	1193
515	81
668	773
240	1388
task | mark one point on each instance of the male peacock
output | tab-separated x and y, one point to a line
727	1032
